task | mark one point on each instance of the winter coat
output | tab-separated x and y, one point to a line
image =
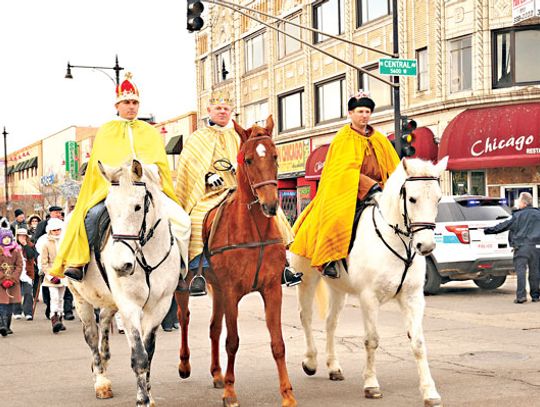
524	227
10	269
47	256
30	254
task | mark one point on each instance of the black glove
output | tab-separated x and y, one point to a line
213	180
489	231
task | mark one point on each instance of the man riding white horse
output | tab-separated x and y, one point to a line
359	161
121	139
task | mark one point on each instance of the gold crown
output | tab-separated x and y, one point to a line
220	97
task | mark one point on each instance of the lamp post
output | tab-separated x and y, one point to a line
116	68
5	133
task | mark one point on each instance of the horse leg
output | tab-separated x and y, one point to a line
370	312
272	296
182	300
412	307
231	345
132	316
337	301
105	317
102	385
150	346
306	294
216	326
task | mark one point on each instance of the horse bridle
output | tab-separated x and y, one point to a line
256	185
143	237
410	228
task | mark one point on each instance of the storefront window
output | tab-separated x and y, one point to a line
379	91
303	197
468	183
288	202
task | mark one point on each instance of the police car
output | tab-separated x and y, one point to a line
463	251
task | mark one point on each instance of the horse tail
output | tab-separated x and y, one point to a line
321	299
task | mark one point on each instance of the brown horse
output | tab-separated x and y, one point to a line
246	253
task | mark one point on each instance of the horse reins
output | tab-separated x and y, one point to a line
411	229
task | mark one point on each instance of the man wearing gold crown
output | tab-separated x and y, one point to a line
205	174
358	163
116	142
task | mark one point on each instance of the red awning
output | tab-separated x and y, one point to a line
424	143
499	136
315	163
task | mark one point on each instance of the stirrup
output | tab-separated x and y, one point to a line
201	290
292	279
331	269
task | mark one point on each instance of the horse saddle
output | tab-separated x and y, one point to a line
98	226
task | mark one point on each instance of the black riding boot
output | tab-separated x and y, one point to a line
197	287
290	277
331	270
75	273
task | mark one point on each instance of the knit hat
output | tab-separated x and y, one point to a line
7	242
21	231
54	224
18	212
127	90
361	99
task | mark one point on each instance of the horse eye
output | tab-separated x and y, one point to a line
248	161
412	200
137	207
275	157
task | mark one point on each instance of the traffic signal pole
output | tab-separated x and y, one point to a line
398	145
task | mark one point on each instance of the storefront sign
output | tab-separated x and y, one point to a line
481	147
72	159
293	156
47	180
524	9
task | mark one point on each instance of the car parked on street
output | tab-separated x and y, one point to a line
463	251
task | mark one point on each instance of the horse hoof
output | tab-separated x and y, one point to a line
184	374
307	370
104	393
230	402
219	384
336	376
372	393
433	403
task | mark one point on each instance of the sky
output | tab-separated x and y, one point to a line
38	38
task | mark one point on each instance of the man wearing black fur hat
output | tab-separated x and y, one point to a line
20	220
359	161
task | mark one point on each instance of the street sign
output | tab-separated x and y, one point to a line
397	66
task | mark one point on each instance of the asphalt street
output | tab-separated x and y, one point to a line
483	351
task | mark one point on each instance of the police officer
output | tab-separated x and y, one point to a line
524	237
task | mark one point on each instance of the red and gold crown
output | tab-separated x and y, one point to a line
127	89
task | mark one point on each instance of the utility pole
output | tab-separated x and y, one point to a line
397	107
5	133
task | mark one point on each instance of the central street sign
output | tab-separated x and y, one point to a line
396	66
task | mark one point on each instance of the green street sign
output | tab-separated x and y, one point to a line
398	67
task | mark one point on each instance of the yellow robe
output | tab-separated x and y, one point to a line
112	146
201	150
323	230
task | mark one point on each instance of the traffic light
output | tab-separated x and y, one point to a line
194	10
407	137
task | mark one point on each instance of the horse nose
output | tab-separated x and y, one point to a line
269	210
424	249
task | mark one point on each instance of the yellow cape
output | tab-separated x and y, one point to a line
112	147
323	230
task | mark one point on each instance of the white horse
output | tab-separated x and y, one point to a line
382	265
141	270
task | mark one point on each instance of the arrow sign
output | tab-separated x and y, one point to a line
397	66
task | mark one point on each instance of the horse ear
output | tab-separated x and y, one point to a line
240	131
136	170
404	164
109	173
441	165
103	170
270	125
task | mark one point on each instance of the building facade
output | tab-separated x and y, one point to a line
472	62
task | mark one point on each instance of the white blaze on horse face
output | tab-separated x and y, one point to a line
261	150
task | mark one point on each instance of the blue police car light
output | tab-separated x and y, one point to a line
503	201
473	202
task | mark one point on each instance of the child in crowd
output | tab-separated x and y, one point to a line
27	276
11	265
56	286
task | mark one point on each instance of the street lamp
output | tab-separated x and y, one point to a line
116	68
5	133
